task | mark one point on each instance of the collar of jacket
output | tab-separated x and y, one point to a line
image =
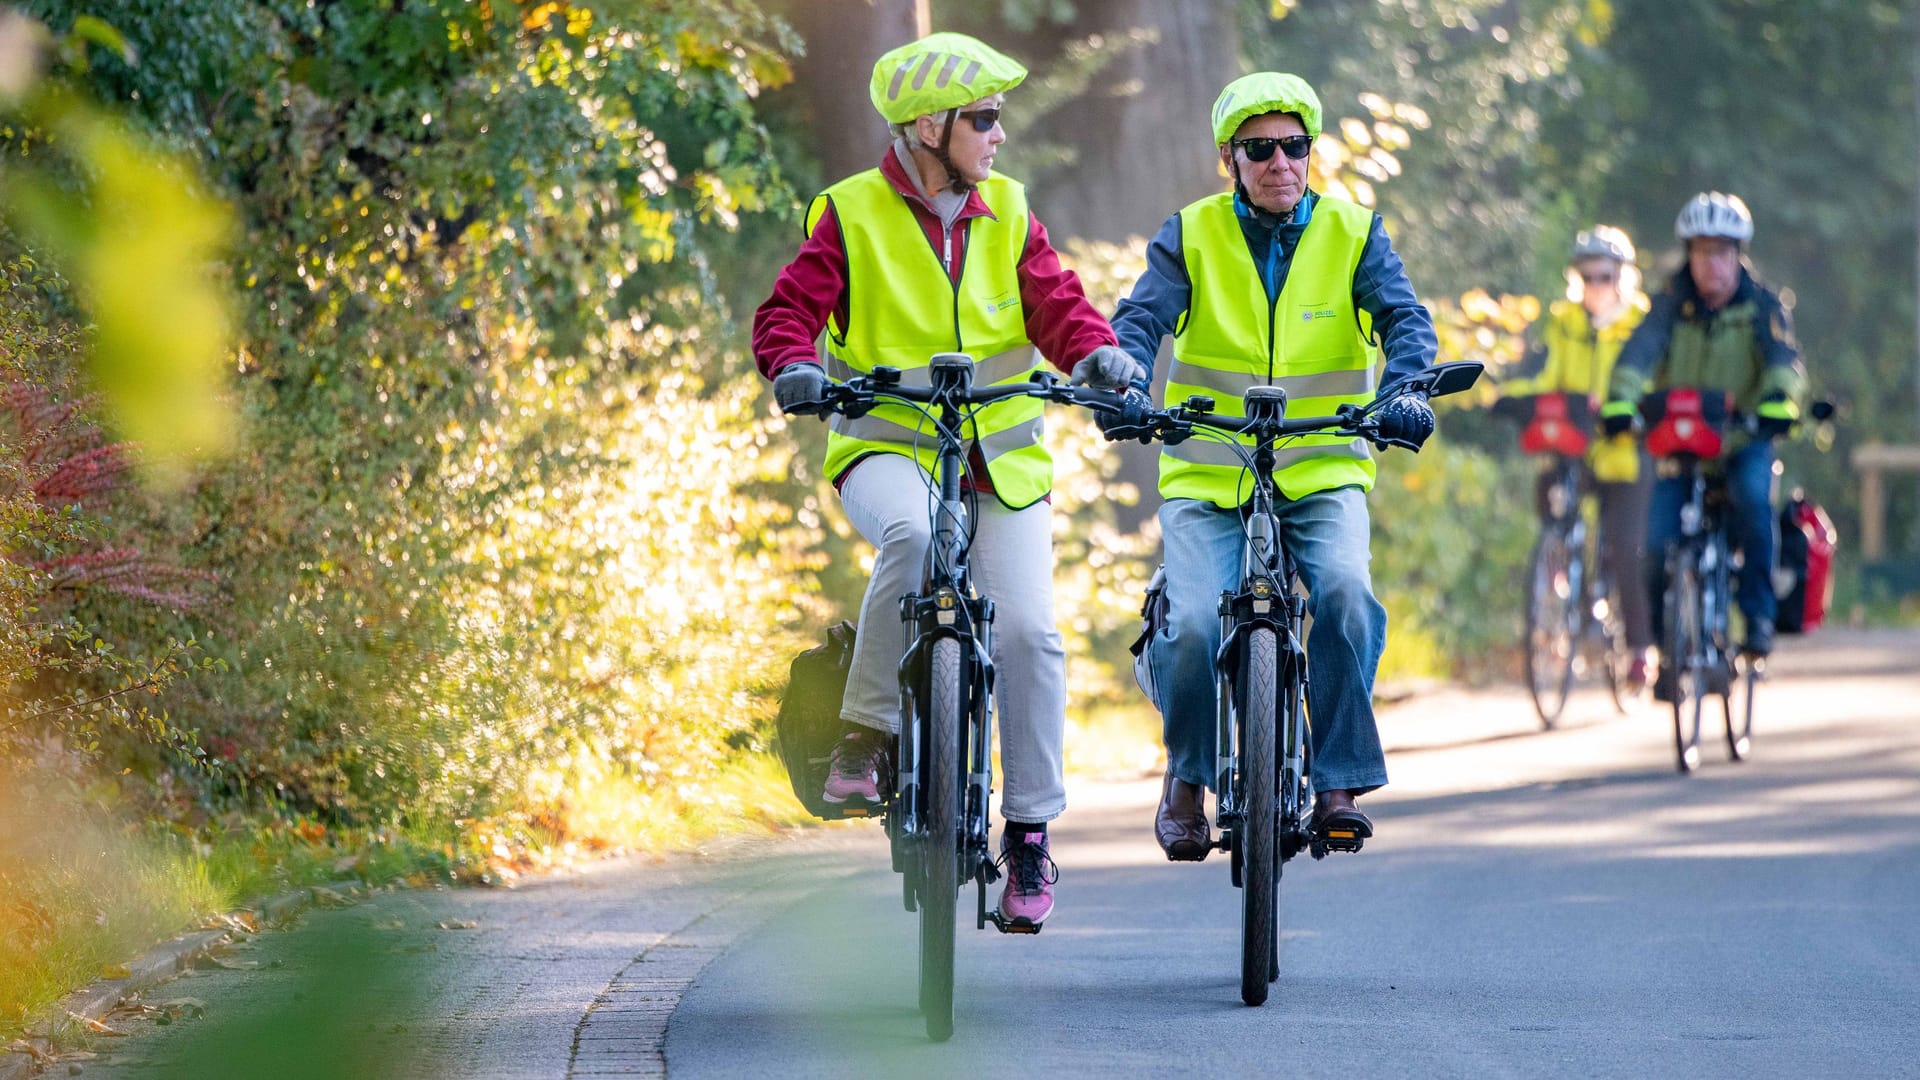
1247	212
896	175
1689	296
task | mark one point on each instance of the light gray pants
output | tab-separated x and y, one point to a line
888	498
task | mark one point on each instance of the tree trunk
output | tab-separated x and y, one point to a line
1140	136
843	38
1141	148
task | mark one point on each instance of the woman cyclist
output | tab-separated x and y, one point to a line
1573	349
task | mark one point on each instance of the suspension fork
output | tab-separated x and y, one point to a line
1261	587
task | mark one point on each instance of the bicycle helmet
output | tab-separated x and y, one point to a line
1260	93
940	73
1713	213
937	73
1602	241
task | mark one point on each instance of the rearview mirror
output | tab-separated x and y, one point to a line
1452	378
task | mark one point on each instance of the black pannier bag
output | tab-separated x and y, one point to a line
809	721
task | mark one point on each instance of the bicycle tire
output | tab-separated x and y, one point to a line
1257	840
1685	650
939	852
1552	615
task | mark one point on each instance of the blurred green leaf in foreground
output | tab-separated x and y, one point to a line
135	231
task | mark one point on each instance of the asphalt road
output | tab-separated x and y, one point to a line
1533	904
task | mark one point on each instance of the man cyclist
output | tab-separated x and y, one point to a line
1716	327
933	252
1572	349
1274	284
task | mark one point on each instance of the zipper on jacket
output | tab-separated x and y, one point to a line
953	279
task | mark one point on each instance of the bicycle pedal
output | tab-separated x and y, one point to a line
1347	840
1012	926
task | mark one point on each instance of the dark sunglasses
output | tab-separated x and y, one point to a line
1597	279
1294	146
983	119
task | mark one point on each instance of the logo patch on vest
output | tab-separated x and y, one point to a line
1000	303
1312	313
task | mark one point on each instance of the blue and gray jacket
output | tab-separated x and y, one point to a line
1401	324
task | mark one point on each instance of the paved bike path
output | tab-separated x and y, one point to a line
1559	904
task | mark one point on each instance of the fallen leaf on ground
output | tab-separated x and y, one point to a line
94	1026
389	924
22	1046
459	924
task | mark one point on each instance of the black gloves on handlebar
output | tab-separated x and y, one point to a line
1130	422
1405	420
1618	417
1775	415
799	384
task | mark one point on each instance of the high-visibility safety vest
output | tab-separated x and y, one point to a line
1310	340
903	307
1579	357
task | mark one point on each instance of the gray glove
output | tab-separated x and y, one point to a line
1107	368
798	384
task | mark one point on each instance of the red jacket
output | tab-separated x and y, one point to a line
814	285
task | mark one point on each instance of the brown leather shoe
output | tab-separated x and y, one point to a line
1338	825
1181	823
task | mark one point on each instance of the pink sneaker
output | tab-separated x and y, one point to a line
1028	898
855	770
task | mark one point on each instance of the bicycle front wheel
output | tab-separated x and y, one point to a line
1552	616
1685	650
940	843
1259	874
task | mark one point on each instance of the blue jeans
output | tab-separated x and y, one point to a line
1749	514
1327	533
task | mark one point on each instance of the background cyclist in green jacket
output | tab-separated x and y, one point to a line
1717	327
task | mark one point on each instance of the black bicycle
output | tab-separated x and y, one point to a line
1573	614
1264	788
1697	656
937	811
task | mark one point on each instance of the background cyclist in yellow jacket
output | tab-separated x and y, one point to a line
1572	351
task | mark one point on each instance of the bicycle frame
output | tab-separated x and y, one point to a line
938	815
948	607
1265	599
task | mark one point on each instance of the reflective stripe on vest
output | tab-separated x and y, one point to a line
903	308
1311	341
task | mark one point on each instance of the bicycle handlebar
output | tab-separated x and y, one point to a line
1176	424
857	395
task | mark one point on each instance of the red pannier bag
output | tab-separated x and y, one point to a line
1687	420
1557	426
1803	579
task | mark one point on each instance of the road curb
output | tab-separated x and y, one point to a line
164	961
